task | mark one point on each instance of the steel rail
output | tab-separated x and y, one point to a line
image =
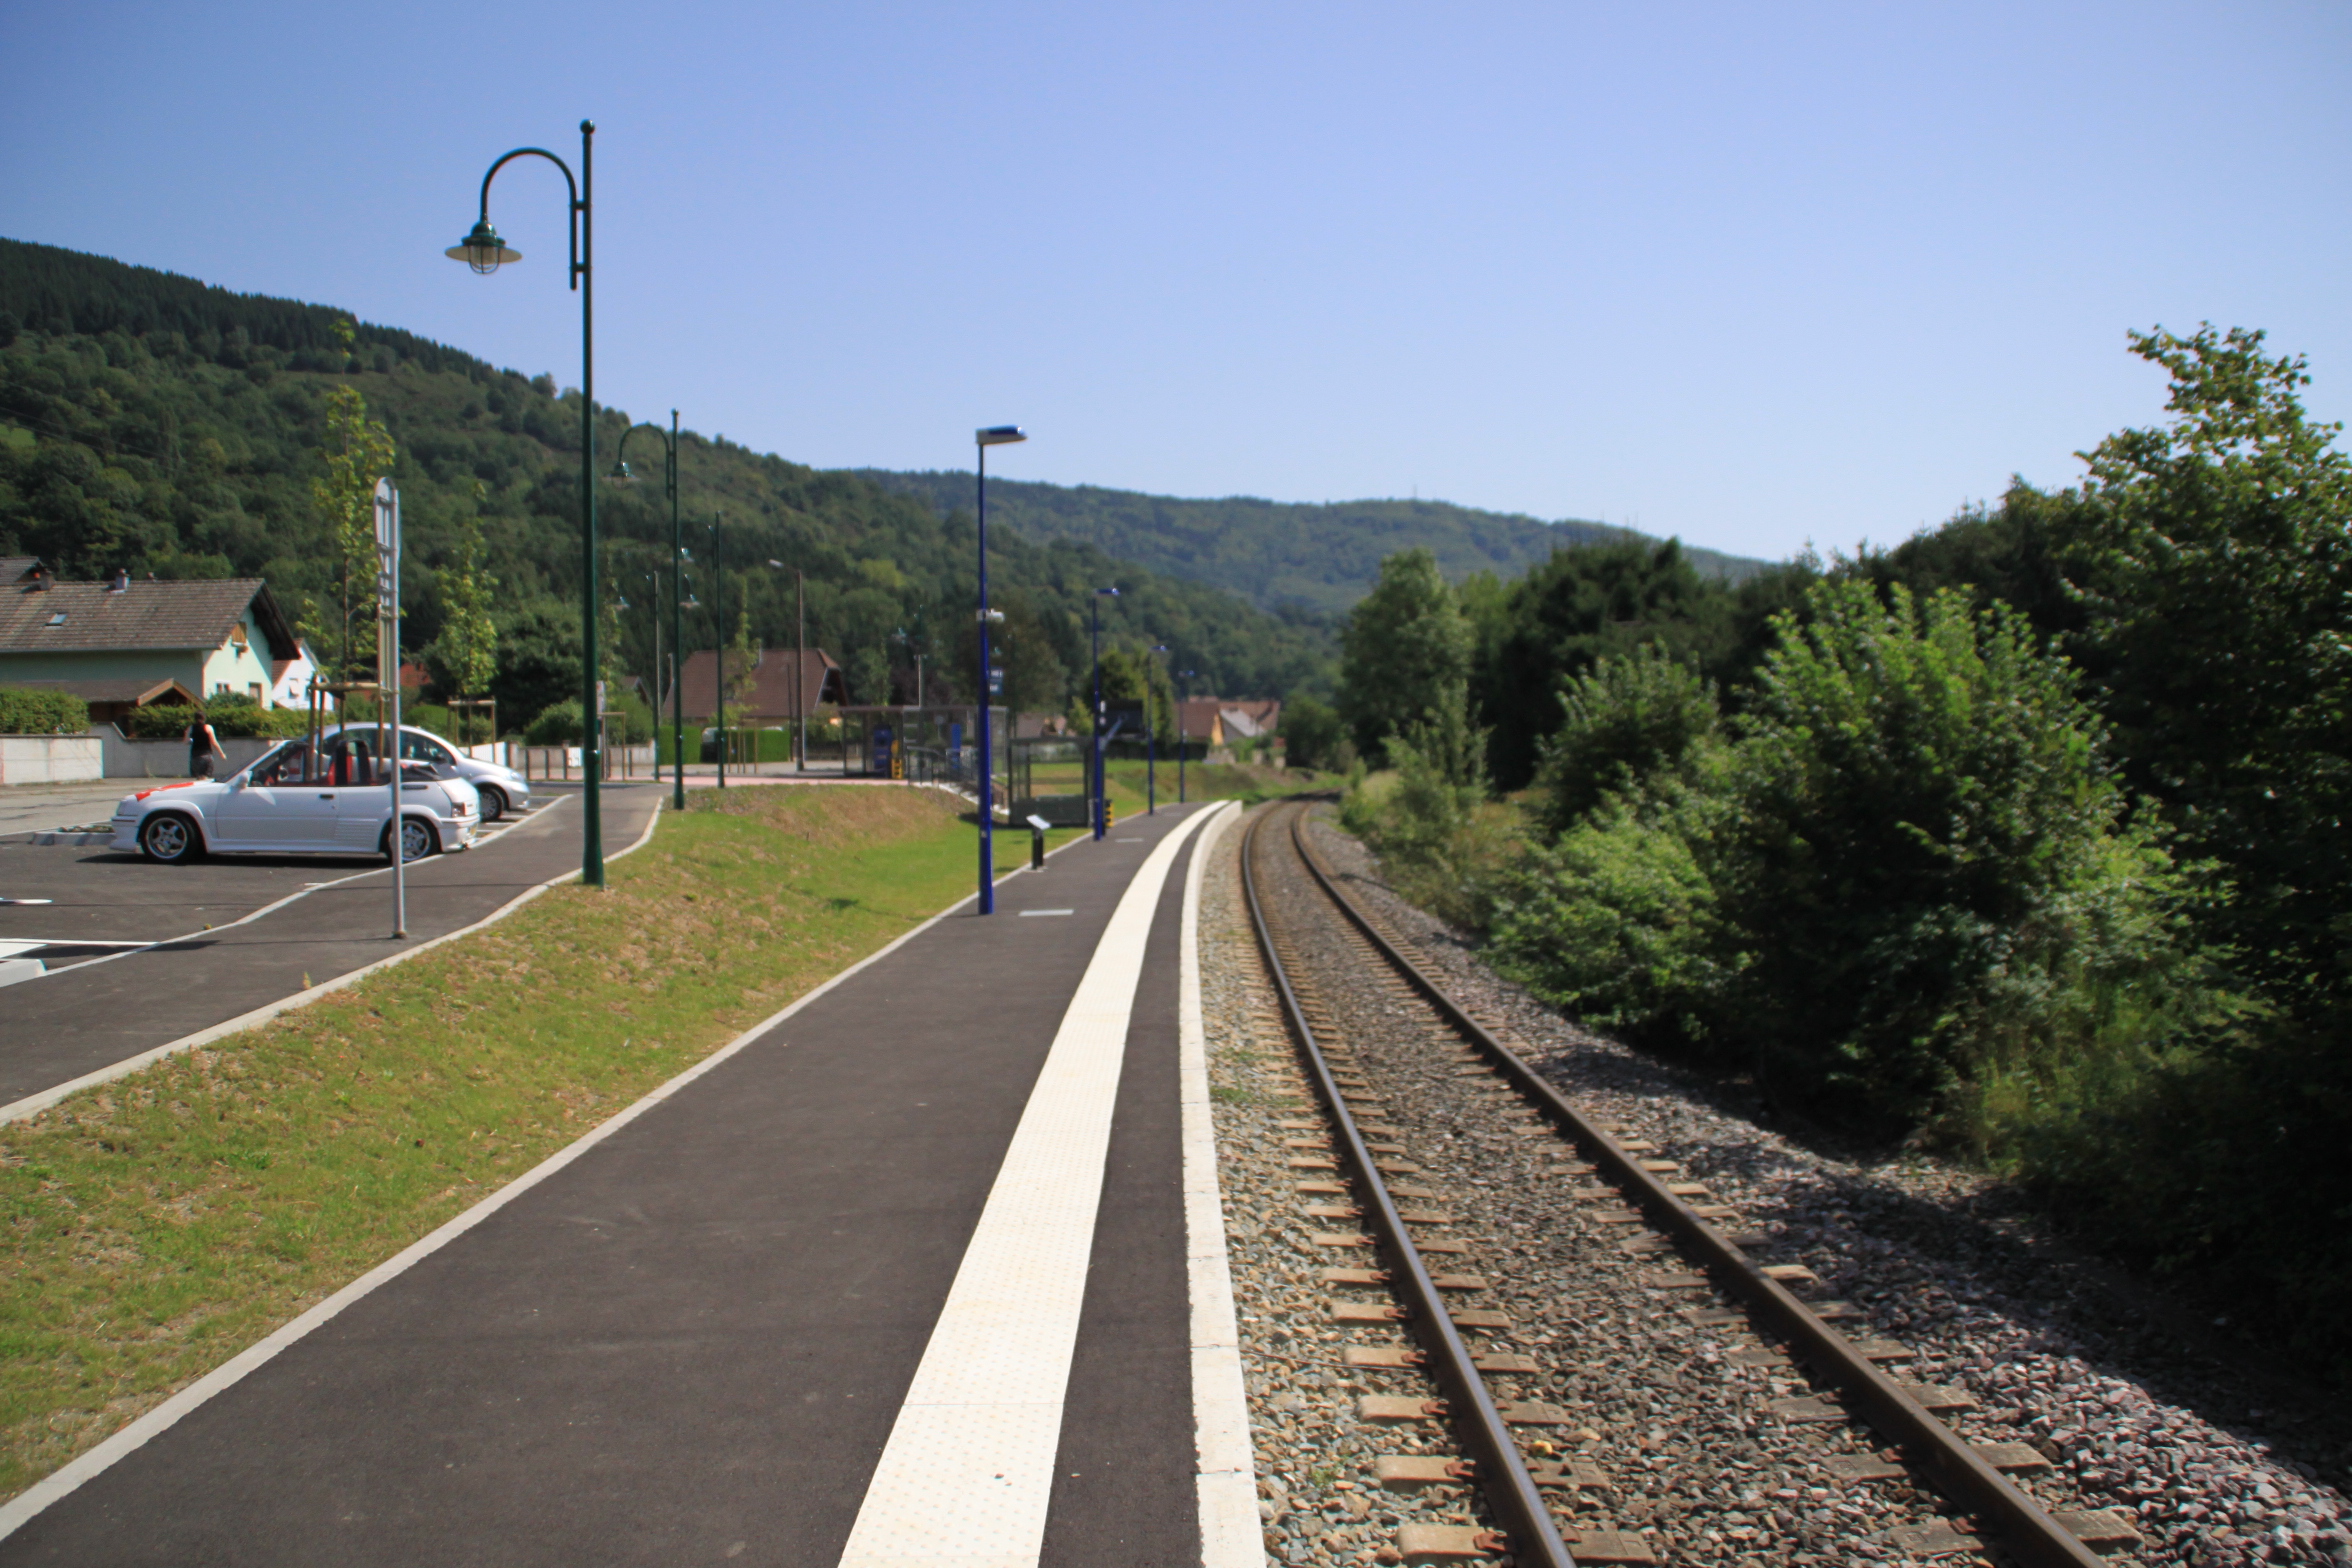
1501	1474
2025	1527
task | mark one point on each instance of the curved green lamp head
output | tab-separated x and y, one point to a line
483	250
620	471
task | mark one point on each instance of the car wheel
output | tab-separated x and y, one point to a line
493	804
169	839
417	840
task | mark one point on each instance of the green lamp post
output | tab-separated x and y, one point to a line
621	472
485	252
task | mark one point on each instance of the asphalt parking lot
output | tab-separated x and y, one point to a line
138	955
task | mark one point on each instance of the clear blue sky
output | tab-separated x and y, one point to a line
1751	274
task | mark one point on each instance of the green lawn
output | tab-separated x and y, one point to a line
161	1223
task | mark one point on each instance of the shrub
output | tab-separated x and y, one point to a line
231	718
24	711
1625	721
557	724
1616	921
1921	835
1315	737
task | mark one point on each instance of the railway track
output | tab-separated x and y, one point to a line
1361	1016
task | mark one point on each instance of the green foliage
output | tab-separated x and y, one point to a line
557	724
231	717
152	423
24	711
464	658
1406	653
1314	736
1617	922
1293	558
1628	720
1921	804
2214	558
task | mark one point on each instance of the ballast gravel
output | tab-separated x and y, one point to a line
1673	1410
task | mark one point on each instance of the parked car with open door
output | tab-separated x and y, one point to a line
332	797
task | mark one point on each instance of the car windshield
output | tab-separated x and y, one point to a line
341	762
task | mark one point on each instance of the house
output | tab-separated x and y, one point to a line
1220	721
768	696
122	644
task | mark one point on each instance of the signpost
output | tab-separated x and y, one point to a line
388	683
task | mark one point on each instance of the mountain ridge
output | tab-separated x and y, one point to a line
1280	555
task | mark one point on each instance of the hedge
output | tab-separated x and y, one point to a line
27	712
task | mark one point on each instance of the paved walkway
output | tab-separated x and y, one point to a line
902	1279
81	1020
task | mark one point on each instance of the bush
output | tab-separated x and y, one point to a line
557	724
28	712
1315	737
1922	823
1617	921
1625	721
1438	842
231	718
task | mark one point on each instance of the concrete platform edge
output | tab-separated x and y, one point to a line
1226	1466
34	1104
87	1466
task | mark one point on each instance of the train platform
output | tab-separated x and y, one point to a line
926	1271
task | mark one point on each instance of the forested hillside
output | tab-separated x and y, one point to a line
152	422
1282	554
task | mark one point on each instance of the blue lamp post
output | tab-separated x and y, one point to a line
994	435
1102	792
1151	748
1181	677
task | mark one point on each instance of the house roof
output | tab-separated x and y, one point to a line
16	568
97	617
770	693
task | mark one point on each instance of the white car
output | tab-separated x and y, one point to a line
331	800
503	789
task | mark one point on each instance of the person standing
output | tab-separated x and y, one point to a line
203	746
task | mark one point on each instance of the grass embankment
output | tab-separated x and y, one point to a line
1209	781
161	1223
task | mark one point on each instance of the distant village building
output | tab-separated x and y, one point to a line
1220	721
123	644
768	696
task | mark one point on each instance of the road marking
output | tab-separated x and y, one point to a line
1030	914
969	1468
1225	1471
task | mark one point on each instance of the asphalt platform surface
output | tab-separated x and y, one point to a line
99	1010
690	1344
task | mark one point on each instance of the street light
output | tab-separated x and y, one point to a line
799	668
677	594
1102	793
485	252
993	435
1151	746
1182	676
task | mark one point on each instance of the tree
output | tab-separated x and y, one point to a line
465	655
1405	652
2213	558
1313	735
359	452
